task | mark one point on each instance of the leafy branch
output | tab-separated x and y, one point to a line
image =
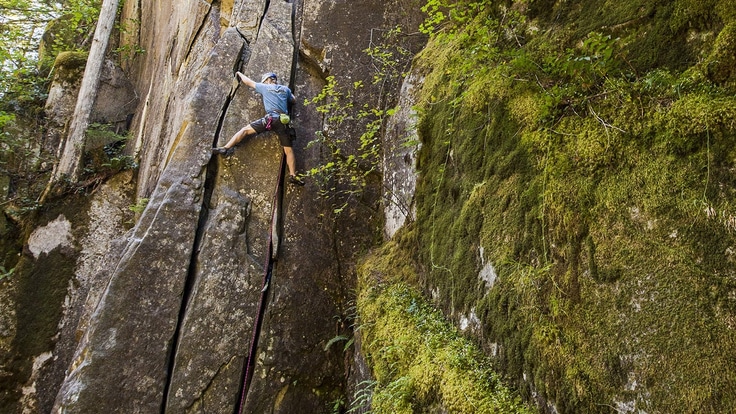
351	133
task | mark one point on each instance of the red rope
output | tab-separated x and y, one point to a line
250	360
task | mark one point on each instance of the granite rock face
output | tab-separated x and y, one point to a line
115	104
168	323
401	146
121	362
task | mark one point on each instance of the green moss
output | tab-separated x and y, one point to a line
69	66
70	31
418	360
592	166
40	286
721	64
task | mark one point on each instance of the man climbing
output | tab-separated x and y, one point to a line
276	100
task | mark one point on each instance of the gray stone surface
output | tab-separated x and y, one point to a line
167	322
217	325
400	160
121	362
116	100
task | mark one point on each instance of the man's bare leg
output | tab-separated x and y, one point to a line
290	160
244	132
228	149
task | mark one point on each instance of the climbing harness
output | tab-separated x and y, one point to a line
283	118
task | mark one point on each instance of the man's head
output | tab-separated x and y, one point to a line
269	77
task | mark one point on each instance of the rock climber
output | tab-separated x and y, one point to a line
276	100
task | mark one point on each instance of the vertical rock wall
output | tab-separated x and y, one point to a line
160	319
172	327
122	361
401	146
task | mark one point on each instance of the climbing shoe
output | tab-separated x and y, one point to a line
225	152
294	180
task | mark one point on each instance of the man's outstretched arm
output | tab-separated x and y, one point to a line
246	80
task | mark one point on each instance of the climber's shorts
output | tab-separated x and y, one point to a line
273	124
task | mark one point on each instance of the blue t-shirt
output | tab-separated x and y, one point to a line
275	97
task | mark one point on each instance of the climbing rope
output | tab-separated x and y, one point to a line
271	255
273	239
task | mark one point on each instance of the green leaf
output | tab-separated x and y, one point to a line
335	340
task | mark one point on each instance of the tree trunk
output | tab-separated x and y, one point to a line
71	156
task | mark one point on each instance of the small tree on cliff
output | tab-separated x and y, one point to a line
71	155
32	34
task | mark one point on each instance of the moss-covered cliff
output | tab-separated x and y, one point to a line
419	362
576	196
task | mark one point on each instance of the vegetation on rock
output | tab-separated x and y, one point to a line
585	151
38	37
419	360
38	41
349	165
44	41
